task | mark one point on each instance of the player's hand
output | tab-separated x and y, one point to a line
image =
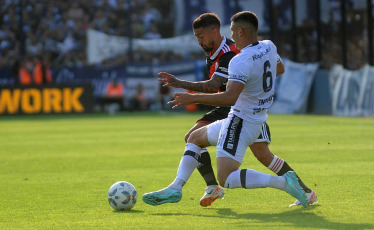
181	99
169	79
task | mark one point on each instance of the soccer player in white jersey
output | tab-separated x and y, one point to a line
220	50
249	92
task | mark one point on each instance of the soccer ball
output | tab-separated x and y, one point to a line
122	195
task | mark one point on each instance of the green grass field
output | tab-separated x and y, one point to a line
55	172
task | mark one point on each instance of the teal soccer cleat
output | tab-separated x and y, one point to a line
311	197
166	195
294	189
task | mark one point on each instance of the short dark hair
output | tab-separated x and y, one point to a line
246	16
205	20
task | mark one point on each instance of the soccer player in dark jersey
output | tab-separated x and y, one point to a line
220	50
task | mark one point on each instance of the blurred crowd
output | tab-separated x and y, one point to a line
56	31
331	34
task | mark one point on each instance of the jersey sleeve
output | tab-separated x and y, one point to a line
223	64
237	71
279	59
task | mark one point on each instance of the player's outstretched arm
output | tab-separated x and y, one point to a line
227	98
210	86
280	68
169	79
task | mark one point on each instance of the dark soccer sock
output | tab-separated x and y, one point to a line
205	168
280	167
285	168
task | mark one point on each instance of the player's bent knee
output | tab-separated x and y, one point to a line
199	138
188	134
222	177
221	180
192	137
186	137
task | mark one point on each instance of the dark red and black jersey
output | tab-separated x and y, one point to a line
218	63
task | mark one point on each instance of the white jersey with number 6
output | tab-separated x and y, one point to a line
256	67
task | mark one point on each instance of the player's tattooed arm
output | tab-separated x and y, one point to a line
210	86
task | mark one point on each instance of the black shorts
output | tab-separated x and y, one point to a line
220	113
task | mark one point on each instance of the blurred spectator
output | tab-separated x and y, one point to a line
152	33
34	71
140	100
41	72
165	96
75	12
115	89
114	96
25	71
150	15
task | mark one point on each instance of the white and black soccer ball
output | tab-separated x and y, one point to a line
122	195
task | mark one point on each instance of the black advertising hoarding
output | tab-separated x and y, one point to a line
48	99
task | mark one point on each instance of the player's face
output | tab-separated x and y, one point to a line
205	38
235	34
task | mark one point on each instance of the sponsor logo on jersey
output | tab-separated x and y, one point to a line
258	56
264	101
257	110
232	132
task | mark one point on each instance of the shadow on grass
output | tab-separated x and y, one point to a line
128	211
299	218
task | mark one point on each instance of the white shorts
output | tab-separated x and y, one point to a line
265	134
232	136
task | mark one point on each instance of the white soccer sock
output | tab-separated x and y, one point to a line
233	180
187	165
247	178
278	182
276	164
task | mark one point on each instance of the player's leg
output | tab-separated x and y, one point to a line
274	163
235	136
250	179
188	163
212	190
262	152
205	164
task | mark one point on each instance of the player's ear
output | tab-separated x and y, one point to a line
240	31
214	29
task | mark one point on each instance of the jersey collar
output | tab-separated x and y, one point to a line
251	45
219	49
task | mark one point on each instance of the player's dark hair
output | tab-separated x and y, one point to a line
247	17
205	20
